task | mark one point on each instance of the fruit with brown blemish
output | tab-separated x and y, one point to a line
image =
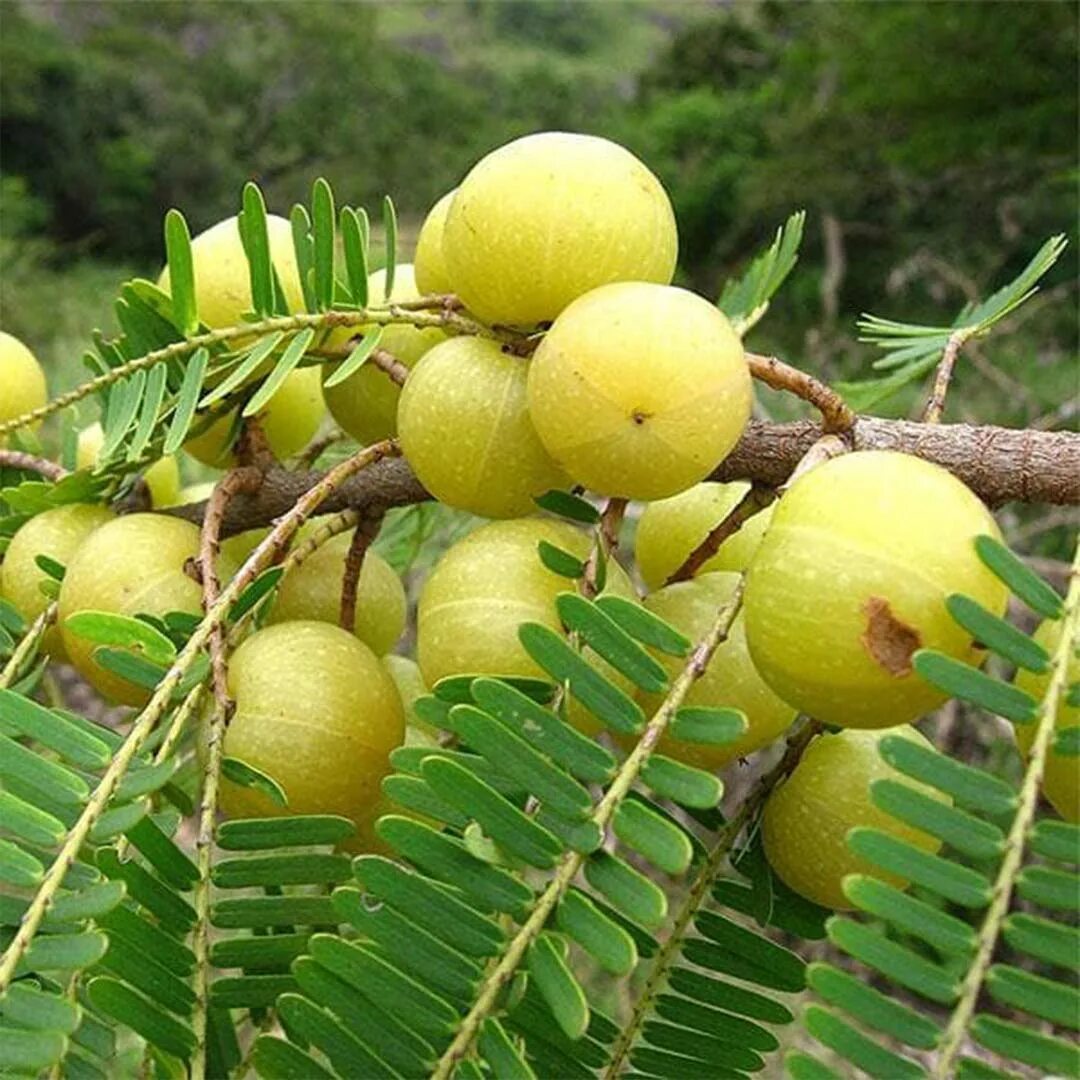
851	579
639	390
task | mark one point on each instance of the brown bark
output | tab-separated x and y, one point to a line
998	464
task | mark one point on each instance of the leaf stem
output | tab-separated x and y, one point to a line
956	1030
935	406
572	862
29	642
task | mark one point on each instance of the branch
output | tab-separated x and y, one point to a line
836	414
365	532
16	459
935	406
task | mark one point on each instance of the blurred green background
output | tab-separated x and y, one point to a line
934	146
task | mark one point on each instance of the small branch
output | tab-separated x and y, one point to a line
956	1032
605	543
797	743
836	414
16	459
314	450
363	535
756	499
27	645
507	965
935	406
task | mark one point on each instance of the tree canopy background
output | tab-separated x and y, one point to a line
933	145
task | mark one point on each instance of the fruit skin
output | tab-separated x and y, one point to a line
852	577
546	218
432	274
289	421
1061	780
366	403
464	426
222	278
807	818
132	565
57	533
22	381
316	710
312	591
484	587
670	529
640	390
730	679
162	477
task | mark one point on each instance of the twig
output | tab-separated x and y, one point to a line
956	1030
29	642
756	499
605	544
365	532
836	414
314	450
16	459
943	376
507	965
383	359
797	743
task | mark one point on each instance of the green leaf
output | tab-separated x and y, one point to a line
736	950
346	1054
288	360
245	369
565	505
560	562
604	940
122	406
631	894
322	215
1067	741
276	1059
260	834
250	991
159	899
1023	582
186	401
18	867
457	689
354	248
30	1051
265	583
710	1021
256	243
644	626
148	415
800	1066
24	1005
724	995
503	1056
1004	638
577	834
1057	840
1049	888
286	868
683	784
118	819
64	952
413	793
51	567
1055	1002
741	297
1045	940
557	985
106	628
254	912
304	247
128	666
390	231
265	952
1046	1053
614	708
26	822
708	726
173	864
853	1046
23	766
357	358
124	922
660	841
962	681
144	1018
52	731
92	902
247	776
146	975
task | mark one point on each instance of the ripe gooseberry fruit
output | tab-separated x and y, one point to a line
312	591
22	382
222	276
852	577
670	529
289	420
129	566
432	275
56	533
730	680
366	403
315	710
544	219
806	820
1061	778
639	390
162	477
484	587
464	427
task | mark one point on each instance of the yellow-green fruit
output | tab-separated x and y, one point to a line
56	533
807	819
22	382
289	421
222	277
852	577
132	565
312	591
316	711
484	588
1061	780
366	403
546	218
730	680
432	275
640	390
236	549
670	529
162	478
464	426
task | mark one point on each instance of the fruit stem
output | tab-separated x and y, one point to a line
363	536
797	742
836	414
158	704
16	459
25	649
956	1031
507	965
